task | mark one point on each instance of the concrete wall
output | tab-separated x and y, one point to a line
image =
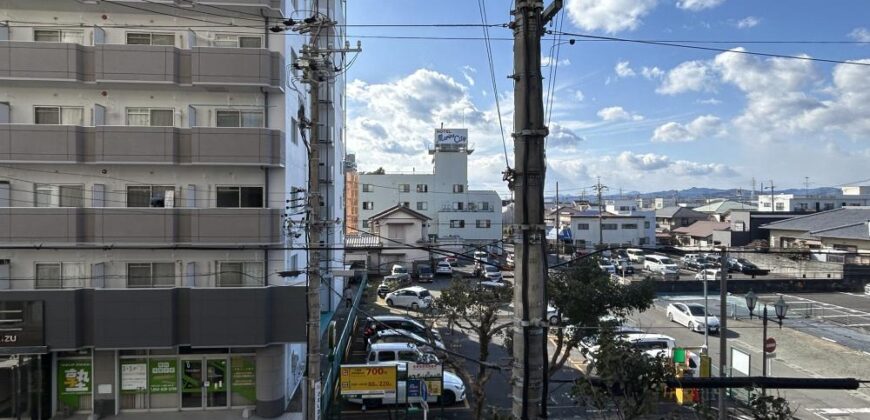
645	230
781	264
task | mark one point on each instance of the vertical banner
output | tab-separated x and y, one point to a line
73	381
243	373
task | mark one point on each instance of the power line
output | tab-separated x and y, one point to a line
723	50
481	5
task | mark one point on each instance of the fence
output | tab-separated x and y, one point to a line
340	350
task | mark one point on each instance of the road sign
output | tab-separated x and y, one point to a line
368	380
415	388
431	373
770	345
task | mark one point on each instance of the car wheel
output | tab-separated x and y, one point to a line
449	398
691	326
670	316
554	320
414	306
389	302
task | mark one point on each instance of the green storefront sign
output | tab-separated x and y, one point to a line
244	377
73	381
163	376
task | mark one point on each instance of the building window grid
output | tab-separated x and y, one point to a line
237	41
239	274
146	275
150	117
58	115
52	195
609	226
422	205
483	223
368	188
151	38
582	226
629	226
148	195
56	275
457	224
404	188
422	188
368	205
239	118
458	188
239	197
69	36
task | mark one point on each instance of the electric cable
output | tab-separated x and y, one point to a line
482	7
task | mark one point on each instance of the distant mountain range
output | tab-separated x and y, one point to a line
696	193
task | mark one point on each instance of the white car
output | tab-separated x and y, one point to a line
414	297
660	264
499	282
453	390
711	273
400	272
444	267
402	336
552	314
692	316
491	272
607	267
652	345
509	260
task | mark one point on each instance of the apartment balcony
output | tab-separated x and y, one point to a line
141	64
42	61
140	145
271	8
138	226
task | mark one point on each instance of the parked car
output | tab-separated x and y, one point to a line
400	271
397	322
659	264
623	265
692	316
414	297
710	260
606	266
509	260
652	345
499	282
452	261
403	352
491	272
424	274
635	255
444	267
453	390
709	274
746	267
391	283
401	336
481	256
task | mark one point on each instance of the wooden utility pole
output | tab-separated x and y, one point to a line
530	314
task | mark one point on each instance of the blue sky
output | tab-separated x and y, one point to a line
641	117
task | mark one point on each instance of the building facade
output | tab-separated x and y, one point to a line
848	197
151	164
456	213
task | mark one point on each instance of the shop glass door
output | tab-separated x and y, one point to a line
204	383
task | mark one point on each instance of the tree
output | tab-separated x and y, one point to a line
626	379
475	309
768	407
585	297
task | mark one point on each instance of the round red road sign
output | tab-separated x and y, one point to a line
770	345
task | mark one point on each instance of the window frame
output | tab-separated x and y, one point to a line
60	114
58	194
367	188
368	205
423	188
457	224
60	35
149	112
423	207
582	226
61	281
480	225
239	196
606	226
404	188
243	276
629	226
241	120
458	188
237	37
151	196
150	38
151	276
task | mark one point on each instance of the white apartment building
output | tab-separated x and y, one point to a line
849	196
456	213
150	162
621	224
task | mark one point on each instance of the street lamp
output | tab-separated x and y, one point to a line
751	300
781	308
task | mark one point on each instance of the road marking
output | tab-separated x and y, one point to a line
828	339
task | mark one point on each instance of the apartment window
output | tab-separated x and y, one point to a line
458	205
608	226
238	118
64	115
482	223
404	188
149	195
150	275
239	274
765	204
368	188
46	195
629	226
237	41
458	188
150	38
780	206
422	205
368	205
580	243
365	224
422	188
153	117
406	204
646	225
582	226
457	223
59	35
239	196
484	206
58	275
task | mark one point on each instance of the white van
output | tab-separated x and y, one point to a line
635	255
403	352
660	264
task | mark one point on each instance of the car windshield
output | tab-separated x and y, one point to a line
666	261
400	270
425	270
697	310
490	269
651	345
424	294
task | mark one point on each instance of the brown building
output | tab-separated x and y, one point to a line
351	196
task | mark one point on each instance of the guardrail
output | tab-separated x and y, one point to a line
340	350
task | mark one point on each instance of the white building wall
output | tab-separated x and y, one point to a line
642	235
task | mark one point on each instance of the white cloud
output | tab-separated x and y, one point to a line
701	127
617	113
652	72
695	5
688	76
467	71
609	15
547	60
578	94
709	101
748	22
860	34
644	162
693	169
623	69
561	136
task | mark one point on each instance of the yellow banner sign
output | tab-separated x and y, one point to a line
368	379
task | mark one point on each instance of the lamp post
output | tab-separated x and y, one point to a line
780	307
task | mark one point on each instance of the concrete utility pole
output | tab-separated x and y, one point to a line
317	68
600	188
723	328
529	377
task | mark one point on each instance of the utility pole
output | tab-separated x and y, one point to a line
723	327
752	195
529	374
317	68
600	188
772	202
806	187
558	224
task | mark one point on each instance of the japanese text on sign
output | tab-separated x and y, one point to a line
368	380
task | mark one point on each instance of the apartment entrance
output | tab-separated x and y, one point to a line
204	382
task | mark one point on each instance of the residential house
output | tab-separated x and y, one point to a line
587	230
670	218
718	210
398	235
845	230
699	234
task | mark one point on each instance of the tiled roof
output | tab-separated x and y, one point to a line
825	220
398	208
362	240
702	228
722	207
671	212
